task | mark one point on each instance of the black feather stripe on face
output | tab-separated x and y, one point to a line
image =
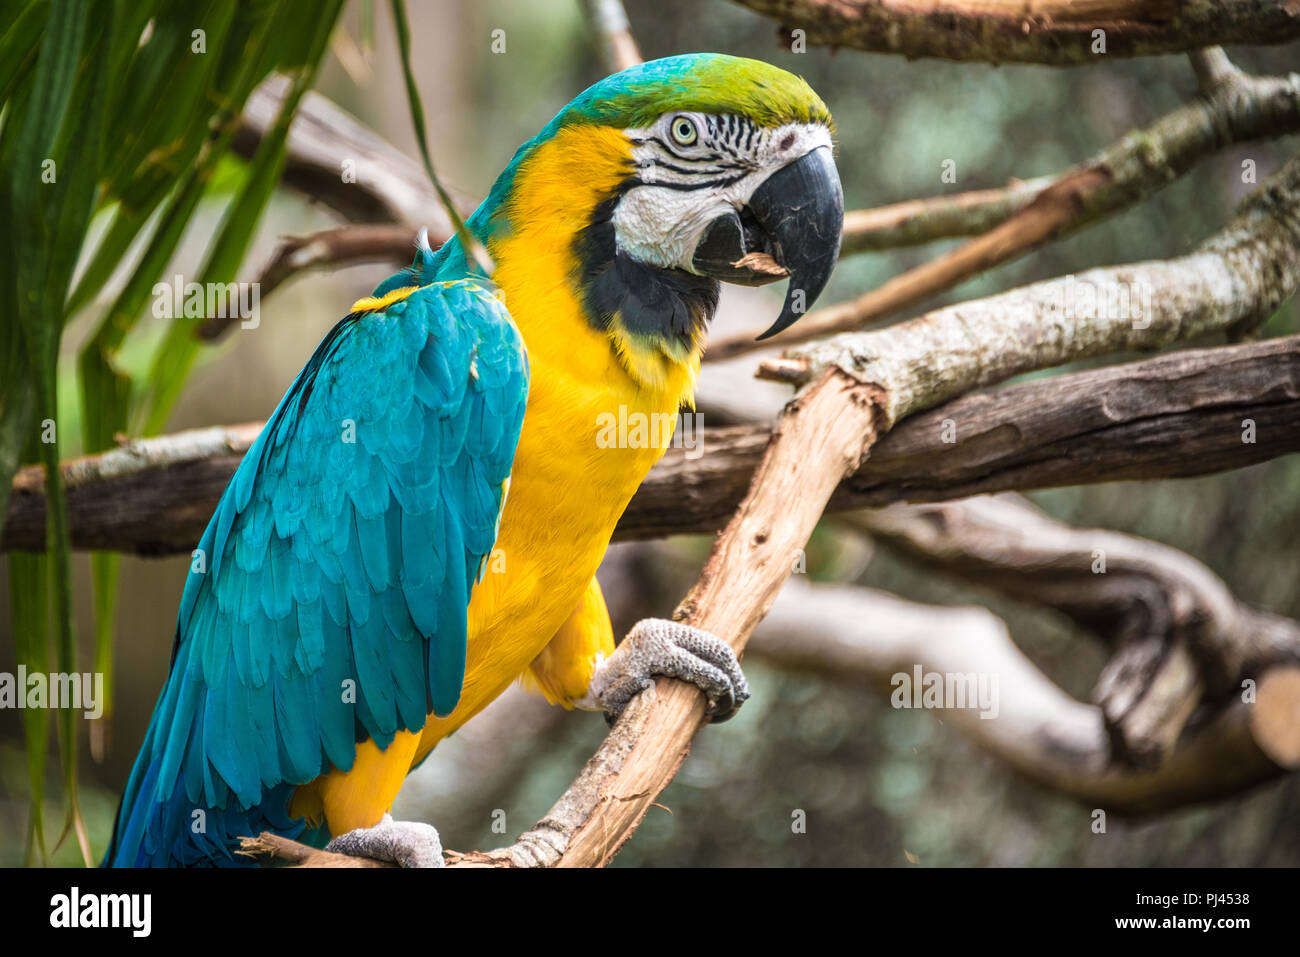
652	303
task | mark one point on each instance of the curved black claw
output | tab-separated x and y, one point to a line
656	646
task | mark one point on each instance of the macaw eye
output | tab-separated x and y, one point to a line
683	131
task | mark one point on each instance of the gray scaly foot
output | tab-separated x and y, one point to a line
656	646
404	843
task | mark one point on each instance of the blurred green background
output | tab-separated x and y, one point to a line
875	783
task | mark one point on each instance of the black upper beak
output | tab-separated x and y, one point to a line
795	218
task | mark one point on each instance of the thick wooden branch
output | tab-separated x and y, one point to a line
1055	32
864	638
1236	109
821	436
1187	413
1178	635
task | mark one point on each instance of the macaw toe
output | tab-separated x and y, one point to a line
404	843
655	647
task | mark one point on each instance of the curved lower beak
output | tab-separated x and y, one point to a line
791	227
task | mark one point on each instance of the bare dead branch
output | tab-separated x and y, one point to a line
618	46
1055	32
337	160
1212	68
1179	637
863	638
1238	109
918	221
821	436
336	248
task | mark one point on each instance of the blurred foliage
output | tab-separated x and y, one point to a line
121	110
876	784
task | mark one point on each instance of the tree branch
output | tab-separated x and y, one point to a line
1055	32
337	247
337	160
1178	635
1230	284
1212	68
863	637
618	46
918	221
821	436
1237	109
1176	415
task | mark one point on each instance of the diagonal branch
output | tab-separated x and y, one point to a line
822	435
917	221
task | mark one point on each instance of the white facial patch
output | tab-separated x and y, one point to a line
686	184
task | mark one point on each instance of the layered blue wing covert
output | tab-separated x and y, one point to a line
327	601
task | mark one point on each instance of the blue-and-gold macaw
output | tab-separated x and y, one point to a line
420	522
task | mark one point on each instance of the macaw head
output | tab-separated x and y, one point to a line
654	185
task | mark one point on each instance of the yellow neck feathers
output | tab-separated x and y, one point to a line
554	194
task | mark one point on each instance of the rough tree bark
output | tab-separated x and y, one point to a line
1173	416
1056	32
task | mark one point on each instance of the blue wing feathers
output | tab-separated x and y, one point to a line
328	602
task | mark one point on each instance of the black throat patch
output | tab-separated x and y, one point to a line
654	303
